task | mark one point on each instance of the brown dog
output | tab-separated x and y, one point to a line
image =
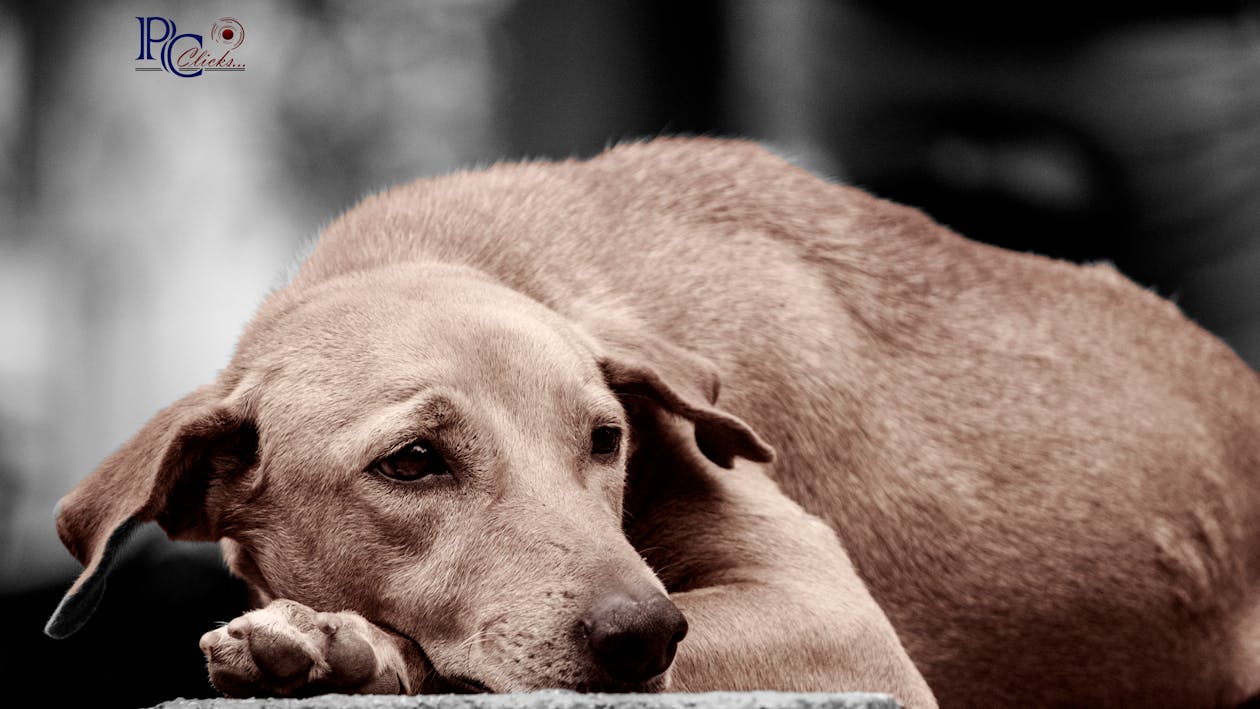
479	437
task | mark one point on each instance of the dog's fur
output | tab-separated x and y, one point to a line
1044	475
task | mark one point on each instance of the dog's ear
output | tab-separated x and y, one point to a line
646	368
163	474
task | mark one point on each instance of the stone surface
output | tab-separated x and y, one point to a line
556	699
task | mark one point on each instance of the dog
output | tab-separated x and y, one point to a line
686	417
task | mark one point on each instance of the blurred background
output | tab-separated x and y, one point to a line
144	216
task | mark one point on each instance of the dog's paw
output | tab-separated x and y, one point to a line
288	649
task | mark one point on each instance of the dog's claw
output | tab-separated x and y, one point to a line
327	622
239	628
208	642
288	649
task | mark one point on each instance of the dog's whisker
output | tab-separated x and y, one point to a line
466	645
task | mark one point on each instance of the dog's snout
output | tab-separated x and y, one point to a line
633	639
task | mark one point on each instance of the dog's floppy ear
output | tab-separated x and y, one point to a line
162	474
647	367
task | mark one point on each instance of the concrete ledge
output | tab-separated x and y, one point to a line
556	699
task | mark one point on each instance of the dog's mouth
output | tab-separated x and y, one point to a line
465	685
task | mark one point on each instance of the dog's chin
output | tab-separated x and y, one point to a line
449	682
657	684
461	684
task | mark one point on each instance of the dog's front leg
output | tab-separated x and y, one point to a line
770	596
290	650
747	635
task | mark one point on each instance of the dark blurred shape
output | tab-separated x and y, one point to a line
1019	180
583	75
1029	26
140	647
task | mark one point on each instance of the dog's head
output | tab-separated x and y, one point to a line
437	452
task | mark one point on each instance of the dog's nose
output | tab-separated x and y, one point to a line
633	640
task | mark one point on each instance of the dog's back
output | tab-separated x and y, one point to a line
1043	472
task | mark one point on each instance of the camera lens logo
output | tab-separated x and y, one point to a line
228	31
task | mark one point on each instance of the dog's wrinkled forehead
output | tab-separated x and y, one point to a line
329	366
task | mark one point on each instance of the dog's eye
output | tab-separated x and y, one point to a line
417	460
605	440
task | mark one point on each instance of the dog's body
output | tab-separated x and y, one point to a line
1043	474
